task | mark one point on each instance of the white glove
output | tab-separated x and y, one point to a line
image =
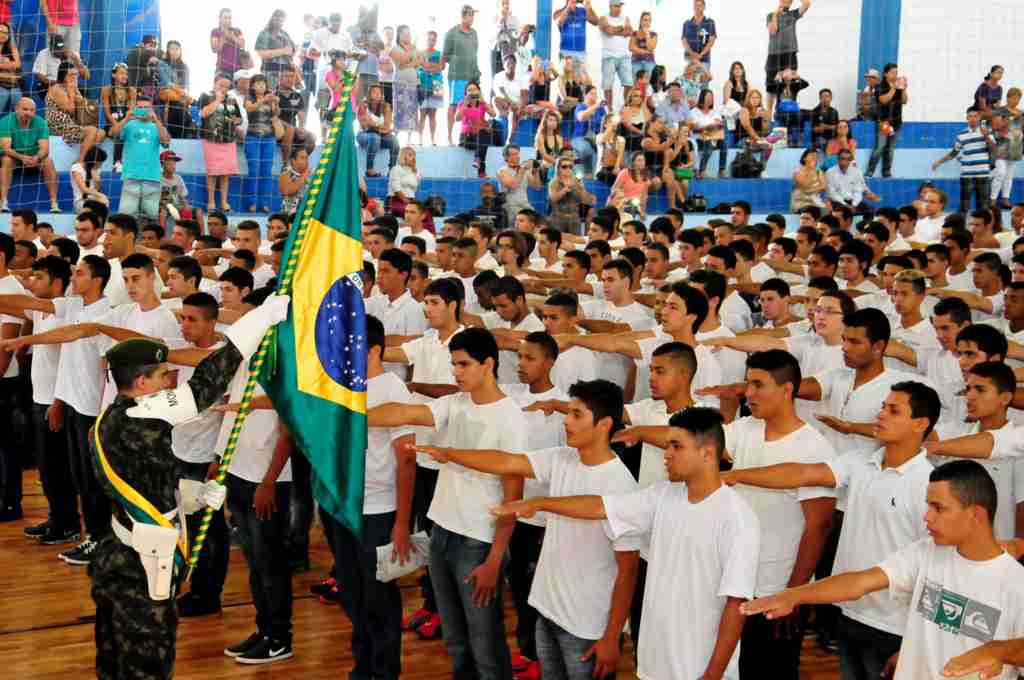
213	494
247	333
190	495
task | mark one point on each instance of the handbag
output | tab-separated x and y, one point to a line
745	166
87	113
696	203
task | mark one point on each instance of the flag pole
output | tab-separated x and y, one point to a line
283	288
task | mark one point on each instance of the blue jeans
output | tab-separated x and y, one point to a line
270	574
474	636
9	97
374	142
884	146
706	147
559	652
864	651
374	608
585	153
259	181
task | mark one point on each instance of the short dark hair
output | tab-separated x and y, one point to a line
98	267
713	284
874	322
742	205
57	268
602	398
724	253
550	234
238	277
662	225
375	335
826	284
879	231
743	249
990	261
581	258
510	287
776	285
398	259
622	266
385	233
450	290
988	339
567	301
660	248
680	353
27	215
247	257
962	239
189	268
543	340
478	343
68	248
787	244
970	483
7	247
704	425
782	365
846	304
955	308
203	301
696	302
465	243
924	401
600	245
138	261
1000	374
125	223
191	226
157	229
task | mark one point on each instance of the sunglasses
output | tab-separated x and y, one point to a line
565	167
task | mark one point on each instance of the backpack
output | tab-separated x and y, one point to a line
745	166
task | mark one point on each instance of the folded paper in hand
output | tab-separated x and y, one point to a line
389	571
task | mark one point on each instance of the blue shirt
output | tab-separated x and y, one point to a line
673	115
973	153
698	33
592	124
574	31
141	151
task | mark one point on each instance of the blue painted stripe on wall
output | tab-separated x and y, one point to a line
542	38
879	35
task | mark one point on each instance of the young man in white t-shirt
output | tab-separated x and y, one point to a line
582	613
704	546
510	313
10	327
964	589
560	316
885	513
414	225
467	547
395	306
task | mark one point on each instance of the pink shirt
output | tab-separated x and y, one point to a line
630	188
331	79
472	118
63	12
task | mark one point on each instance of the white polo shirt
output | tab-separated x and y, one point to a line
9	285
508	361
432	364
79	375
404	316
379	481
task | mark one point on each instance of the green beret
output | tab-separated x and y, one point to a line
136	352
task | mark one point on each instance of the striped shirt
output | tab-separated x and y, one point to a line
972	151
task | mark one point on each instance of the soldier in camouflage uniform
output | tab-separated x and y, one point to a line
135	631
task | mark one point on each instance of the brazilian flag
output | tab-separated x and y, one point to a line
317	376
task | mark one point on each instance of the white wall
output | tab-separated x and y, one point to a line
829	38
947	48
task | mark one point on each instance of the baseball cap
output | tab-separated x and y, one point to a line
872	73
244	73
615	2
468	9
169	155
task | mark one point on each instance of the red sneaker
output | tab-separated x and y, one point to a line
532	672
415	620
519	662
431	628
331	596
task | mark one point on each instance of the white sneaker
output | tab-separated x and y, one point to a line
54	208
4	207
117	168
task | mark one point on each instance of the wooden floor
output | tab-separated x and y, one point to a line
46	627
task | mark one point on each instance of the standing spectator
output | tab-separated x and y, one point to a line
330	38
291	108
48	62
809	183
846	185
292	182
62	19
227	43
222	120
786	87
572	20
566	193
365	38
615	31
174	93
334	82
387	66
309	69
708	124
642	45
477	133
377	130
782	42
892	96
406	105
867	99
736	87
25	142
633	118
539	99
973	149
275	48
506	36
699	35
117	100
403	181
841	142
143	134
262	107
10	69
431	86
588	121
1003	159
989	93
62	102
459	54
824	120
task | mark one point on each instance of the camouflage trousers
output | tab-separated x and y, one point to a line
135	636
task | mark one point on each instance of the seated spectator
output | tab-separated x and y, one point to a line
754	127
403	181
846	184
291	107
476	131
674	110
10	69
809	183
571	86
174	93
633	119
843	141
228	43
633	186
824	120
707	123
25	142
694	81
377	130
509	94
680	158
867	98
612	148
262	107
144	67
331	88
62	103
588	121
143	135
117	99
173	192
222	127
989	93
642	45
85	187
655	144
539	97
786	87
48	61
275	49
566	193
548	143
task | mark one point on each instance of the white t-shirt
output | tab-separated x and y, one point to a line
543	432
709	371
431	364
79	376
257	440
158	322
507	88
956	605
404	316
575	599
325	41
652	413
920	336
732	362
45	359
815	356
701	554
379	485
779	510
735	313
464	497
573	365
614	46
195	441
928	229
615	367
424	234
115	291
885	513
93	250
9	285
941	367
508	361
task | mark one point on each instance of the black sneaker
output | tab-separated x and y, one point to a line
38	530
244	646
80	556
267	651
59	536
11	514
190	606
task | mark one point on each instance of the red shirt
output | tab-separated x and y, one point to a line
5	11
63	12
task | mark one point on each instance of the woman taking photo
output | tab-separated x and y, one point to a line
680	157
612	150
566	193
222	120
708	124
809	183
262	107
407	82
633	186
539	98
117	99
227	43
843	141
476	130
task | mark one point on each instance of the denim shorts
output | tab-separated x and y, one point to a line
620	65
140	198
